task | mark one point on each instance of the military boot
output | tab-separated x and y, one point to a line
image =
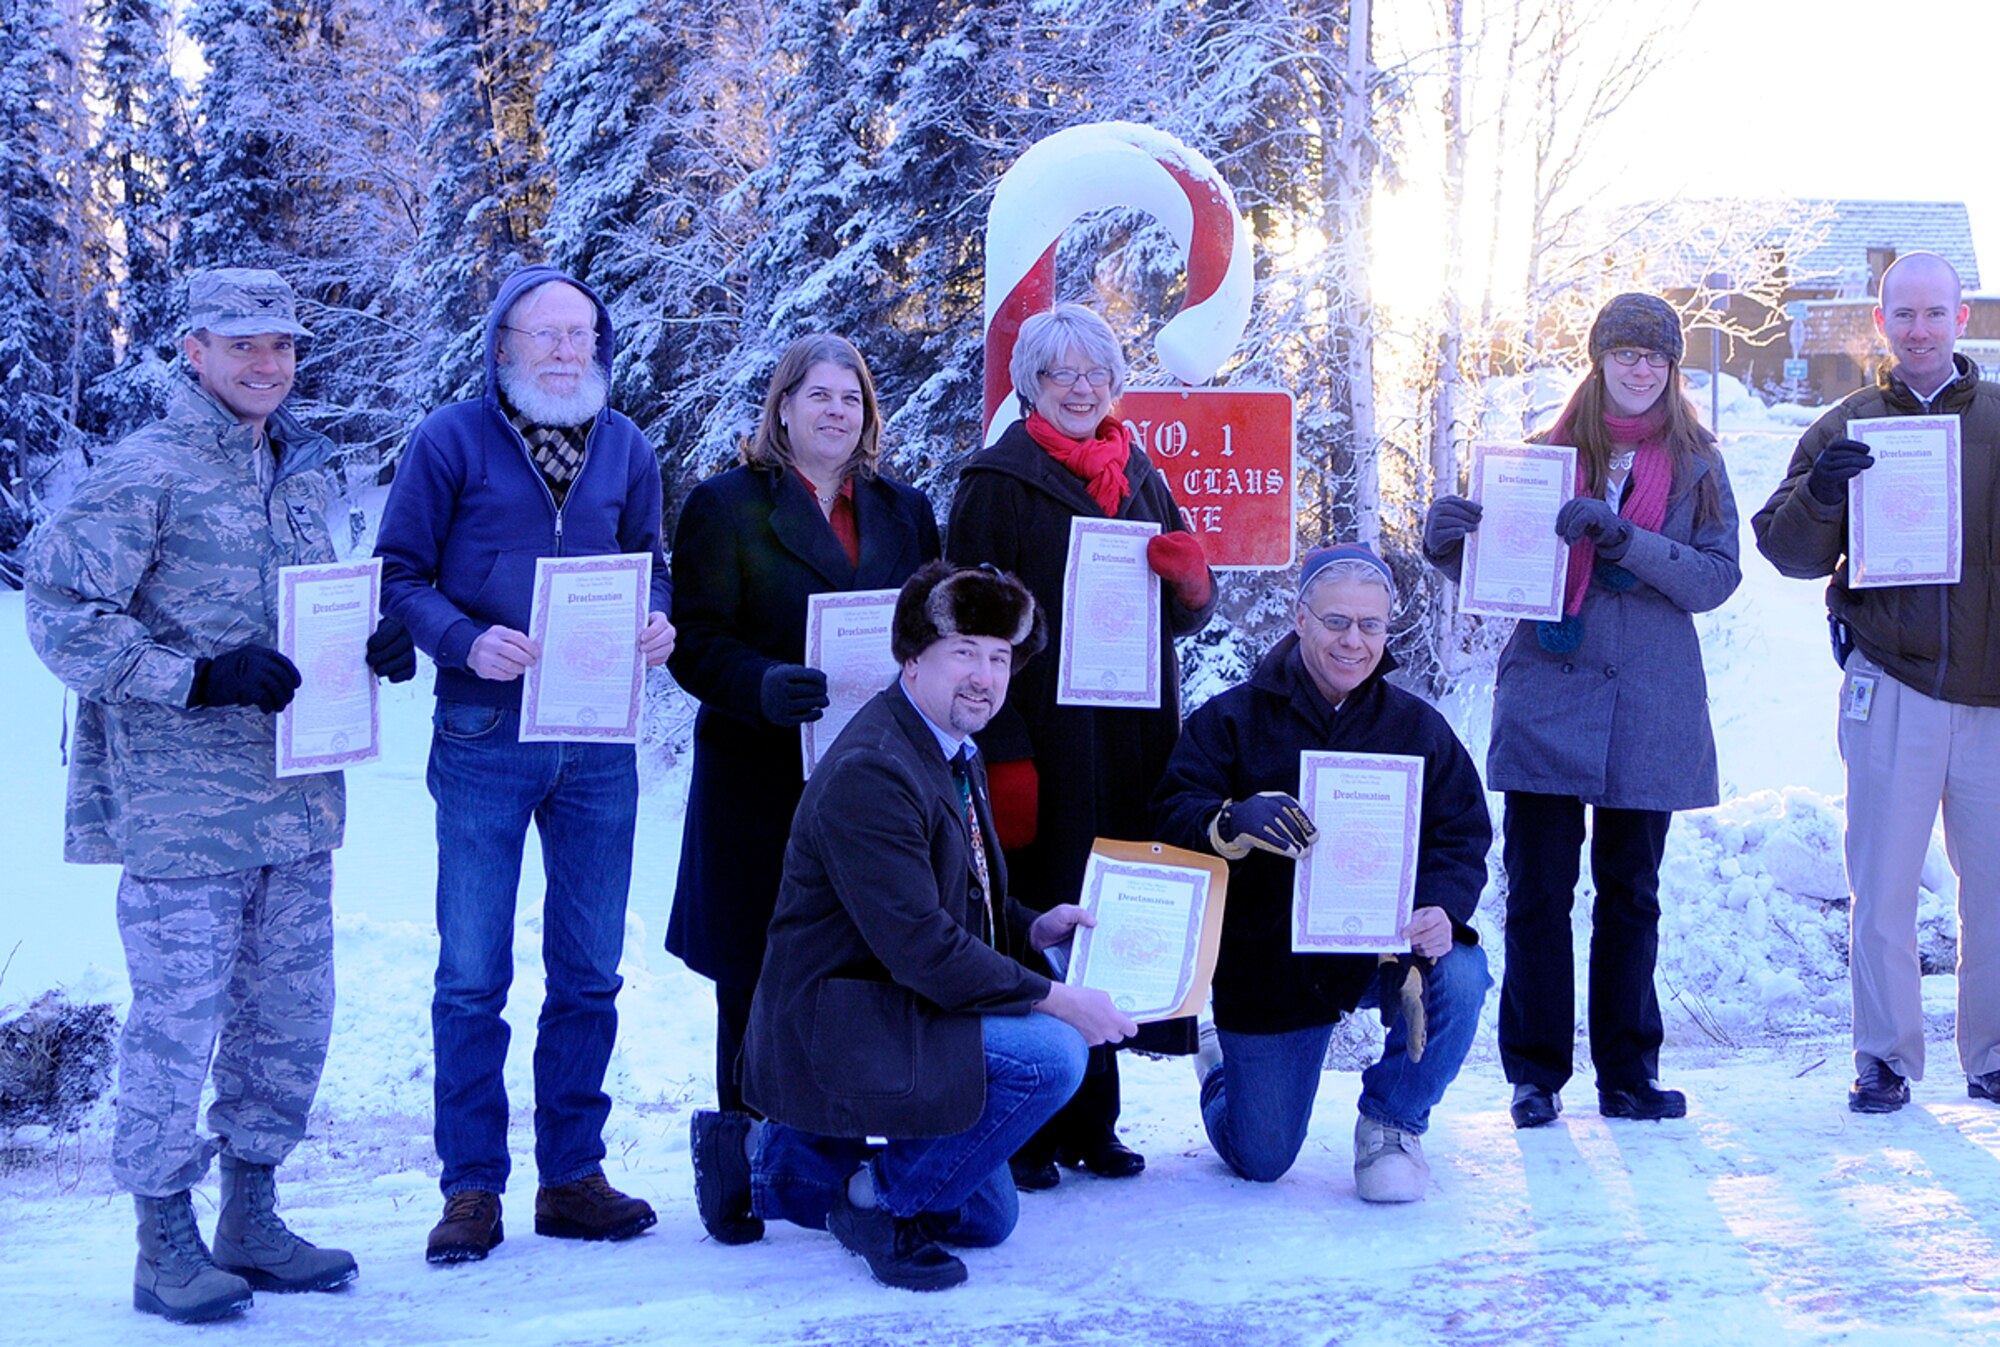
175	1277
252	1242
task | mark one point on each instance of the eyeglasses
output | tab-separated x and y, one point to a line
552	338
1338	623
1629	357
1069	378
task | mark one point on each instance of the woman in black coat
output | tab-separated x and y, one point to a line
1061	776
805	514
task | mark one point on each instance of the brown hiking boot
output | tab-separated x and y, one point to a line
590	1208
469	1229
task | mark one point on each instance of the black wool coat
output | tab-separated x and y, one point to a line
751	548
1247	740
880	962
1097	765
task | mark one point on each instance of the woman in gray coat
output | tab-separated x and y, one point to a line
1606	708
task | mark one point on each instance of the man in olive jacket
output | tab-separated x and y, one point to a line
1920	704
895	999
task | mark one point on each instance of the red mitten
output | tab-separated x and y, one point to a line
1177	558
1015	788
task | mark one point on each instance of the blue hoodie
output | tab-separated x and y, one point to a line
469	514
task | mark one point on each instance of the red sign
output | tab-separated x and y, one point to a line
1227	454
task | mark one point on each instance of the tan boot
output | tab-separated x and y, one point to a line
175	1277
252	1242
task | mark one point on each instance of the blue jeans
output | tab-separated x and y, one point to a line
583	799
1257	1105
1033	1065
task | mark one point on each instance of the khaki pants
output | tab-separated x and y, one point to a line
1910	754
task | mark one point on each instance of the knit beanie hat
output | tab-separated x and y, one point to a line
1320	558
943	600
1641	322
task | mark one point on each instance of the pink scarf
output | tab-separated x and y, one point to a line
1645	505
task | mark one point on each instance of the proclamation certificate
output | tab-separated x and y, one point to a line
588	612
1159	925
1354	888
1905	524
1111	617
325	616
847	639
1515	565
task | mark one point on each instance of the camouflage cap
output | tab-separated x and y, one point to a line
242	302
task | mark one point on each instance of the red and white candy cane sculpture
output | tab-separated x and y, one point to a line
1096	167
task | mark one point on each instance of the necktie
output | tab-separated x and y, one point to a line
961	772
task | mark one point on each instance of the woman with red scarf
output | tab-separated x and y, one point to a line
1607	708
1061	776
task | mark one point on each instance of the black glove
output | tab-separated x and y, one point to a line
1449	520
248	675
793	694
391	653
1271	820
1836	463
1583	515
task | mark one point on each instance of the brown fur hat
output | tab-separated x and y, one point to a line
943	600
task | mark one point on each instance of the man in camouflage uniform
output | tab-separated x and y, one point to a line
153	596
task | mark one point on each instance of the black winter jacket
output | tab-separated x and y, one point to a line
1247	740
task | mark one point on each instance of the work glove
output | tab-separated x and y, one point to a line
391	654
1178	559
1399	990
1449	520
1835	465
1270	821
1015	788
793	694
246	675
1588	516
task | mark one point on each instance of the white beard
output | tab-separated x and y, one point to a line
555	409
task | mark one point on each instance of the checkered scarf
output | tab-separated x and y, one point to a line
557	450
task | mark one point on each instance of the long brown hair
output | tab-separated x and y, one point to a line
771	447
1581	424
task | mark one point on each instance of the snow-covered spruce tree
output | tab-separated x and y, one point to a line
34	331
965	109
235	207
652	118
801	271
489	190
142	150
348	124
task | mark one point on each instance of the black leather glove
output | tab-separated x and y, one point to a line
1836	463
391	653
792	694
1449	520
1271	821
1587	515
248	675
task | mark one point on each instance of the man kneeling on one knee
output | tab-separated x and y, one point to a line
1231	787
896	998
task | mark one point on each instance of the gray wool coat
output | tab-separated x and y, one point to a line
1621	722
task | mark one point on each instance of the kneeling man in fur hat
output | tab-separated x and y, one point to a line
903	993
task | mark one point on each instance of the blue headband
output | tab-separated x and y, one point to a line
1320	558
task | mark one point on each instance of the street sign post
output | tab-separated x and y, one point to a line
1228	455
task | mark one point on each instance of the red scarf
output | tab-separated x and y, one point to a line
1099	462
1645	504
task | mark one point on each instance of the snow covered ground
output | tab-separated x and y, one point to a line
1770	1215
